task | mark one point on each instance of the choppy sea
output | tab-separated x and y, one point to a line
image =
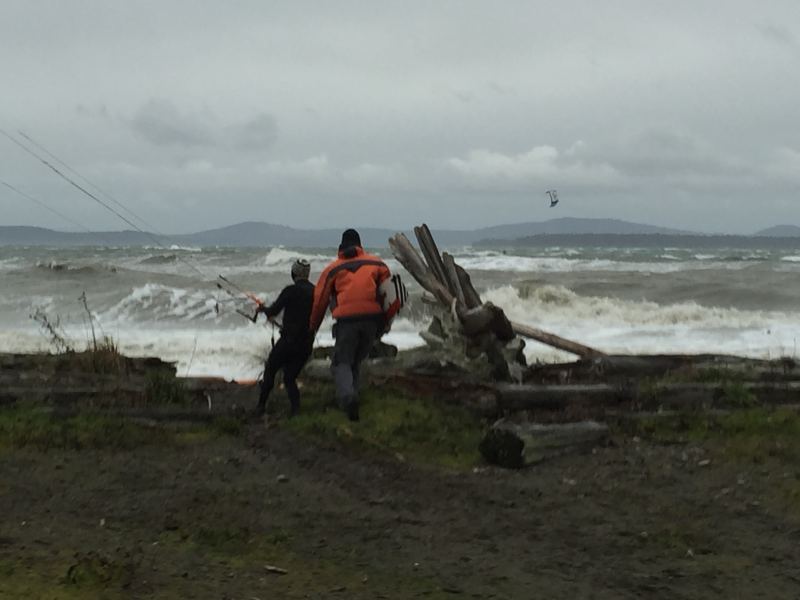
165	302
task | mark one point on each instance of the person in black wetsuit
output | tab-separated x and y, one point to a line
294	346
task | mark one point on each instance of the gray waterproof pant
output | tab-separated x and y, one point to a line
354	340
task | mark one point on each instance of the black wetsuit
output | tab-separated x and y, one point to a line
294	346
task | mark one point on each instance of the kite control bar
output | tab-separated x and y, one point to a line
250	296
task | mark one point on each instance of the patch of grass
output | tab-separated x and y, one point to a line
734	393
88	576
229	540
227	426
34	428
244	550
679	536
421	430
718	375
93	570
40	430
164	388
104	358
7	568
753	434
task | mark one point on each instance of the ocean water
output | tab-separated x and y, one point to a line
165	302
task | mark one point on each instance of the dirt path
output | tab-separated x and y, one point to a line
202	518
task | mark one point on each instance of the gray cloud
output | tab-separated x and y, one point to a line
161	123
455	112
258	133
778	34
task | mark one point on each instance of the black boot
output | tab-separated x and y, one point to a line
352	410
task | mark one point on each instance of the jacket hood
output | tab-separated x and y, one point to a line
351	252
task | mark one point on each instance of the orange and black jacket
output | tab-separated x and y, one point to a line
349	285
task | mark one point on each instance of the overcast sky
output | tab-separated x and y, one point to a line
197	114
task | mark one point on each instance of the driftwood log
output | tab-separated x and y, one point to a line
515	445
687	367
484	325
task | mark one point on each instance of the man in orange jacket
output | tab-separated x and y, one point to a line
349	285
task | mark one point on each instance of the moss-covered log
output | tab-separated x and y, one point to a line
514	445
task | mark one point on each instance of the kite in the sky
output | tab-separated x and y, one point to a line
553	197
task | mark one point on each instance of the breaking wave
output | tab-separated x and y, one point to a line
493	261
58	267
281	259
158	302
614	325
162	259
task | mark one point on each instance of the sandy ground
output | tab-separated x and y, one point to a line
204	517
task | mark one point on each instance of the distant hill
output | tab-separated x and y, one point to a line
572	226
254	234
657	240
780	231
39	236
260	234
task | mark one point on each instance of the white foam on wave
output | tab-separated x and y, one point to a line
235	352
792	259
236	349
621	326
280	258
533	264
157	302
11	264
178	247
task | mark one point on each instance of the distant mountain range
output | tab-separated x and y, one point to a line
646	240
254	234
780	231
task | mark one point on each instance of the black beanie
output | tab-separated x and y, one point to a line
350	238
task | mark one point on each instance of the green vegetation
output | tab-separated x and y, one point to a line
421	430
742	438
41	430
164	388
84	576
25	427
734	393
243	550
239	560
103	358
753	435
94	570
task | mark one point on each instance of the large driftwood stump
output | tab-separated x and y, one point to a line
485	329
515	445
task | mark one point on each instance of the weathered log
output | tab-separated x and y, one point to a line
434	341
515	397
514	445
453	281
487	318
408	256
555	341
687	367
471	297
429	300
431	253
